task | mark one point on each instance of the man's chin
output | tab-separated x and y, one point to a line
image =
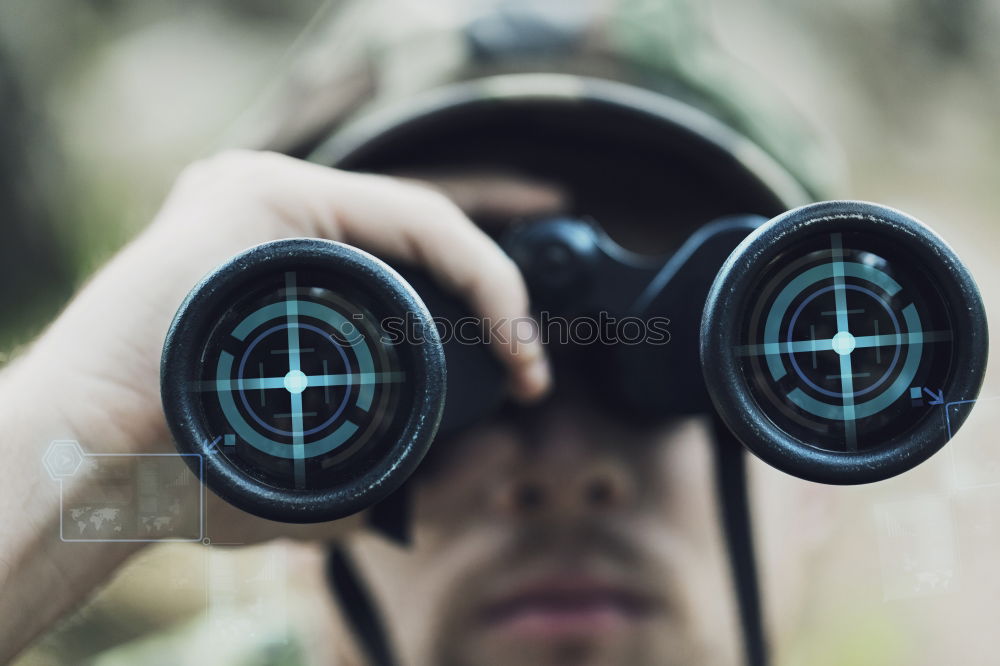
599	640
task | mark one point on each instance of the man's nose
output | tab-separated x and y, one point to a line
564	474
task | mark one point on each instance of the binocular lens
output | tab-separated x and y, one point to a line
834	336
279	371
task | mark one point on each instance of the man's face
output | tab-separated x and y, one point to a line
561	535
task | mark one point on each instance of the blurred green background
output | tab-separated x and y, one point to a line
102	102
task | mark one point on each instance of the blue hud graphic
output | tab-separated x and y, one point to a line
295	378
842	342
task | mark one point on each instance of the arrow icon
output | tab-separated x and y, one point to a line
938	397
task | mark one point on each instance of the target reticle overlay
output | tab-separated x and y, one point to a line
280	371
848	342
296	378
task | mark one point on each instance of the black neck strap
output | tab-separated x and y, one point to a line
734	505
358	607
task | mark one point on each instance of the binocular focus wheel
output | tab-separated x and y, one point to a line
834	337
278	370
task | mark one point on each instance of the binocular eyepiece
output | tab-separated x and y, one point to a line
836	335
311	376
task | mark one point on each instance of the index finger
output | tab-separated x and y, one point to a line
409	222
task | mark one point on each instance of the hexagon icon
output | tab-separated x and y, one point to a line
63	458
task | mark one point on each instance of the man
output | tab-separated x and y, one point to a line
555	532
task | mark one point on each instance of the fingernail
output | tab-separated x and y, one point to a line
536	380
544	198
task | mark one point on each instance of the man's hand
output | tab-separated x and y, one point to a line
108	341
94	374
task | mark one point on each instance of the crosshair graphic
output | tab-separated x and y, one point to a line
296	377
844	343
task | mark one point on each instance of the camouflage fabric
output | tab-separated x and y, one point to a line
366	55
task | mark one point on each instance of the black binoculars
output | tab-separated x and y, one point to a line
312	377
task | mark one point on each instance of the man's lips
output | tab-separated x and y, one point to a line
566	607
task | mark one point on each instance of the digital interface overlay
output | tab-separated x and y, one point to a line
848	344
127	497
297	378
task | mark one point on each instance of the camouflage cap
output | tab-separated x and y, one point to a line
359	56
